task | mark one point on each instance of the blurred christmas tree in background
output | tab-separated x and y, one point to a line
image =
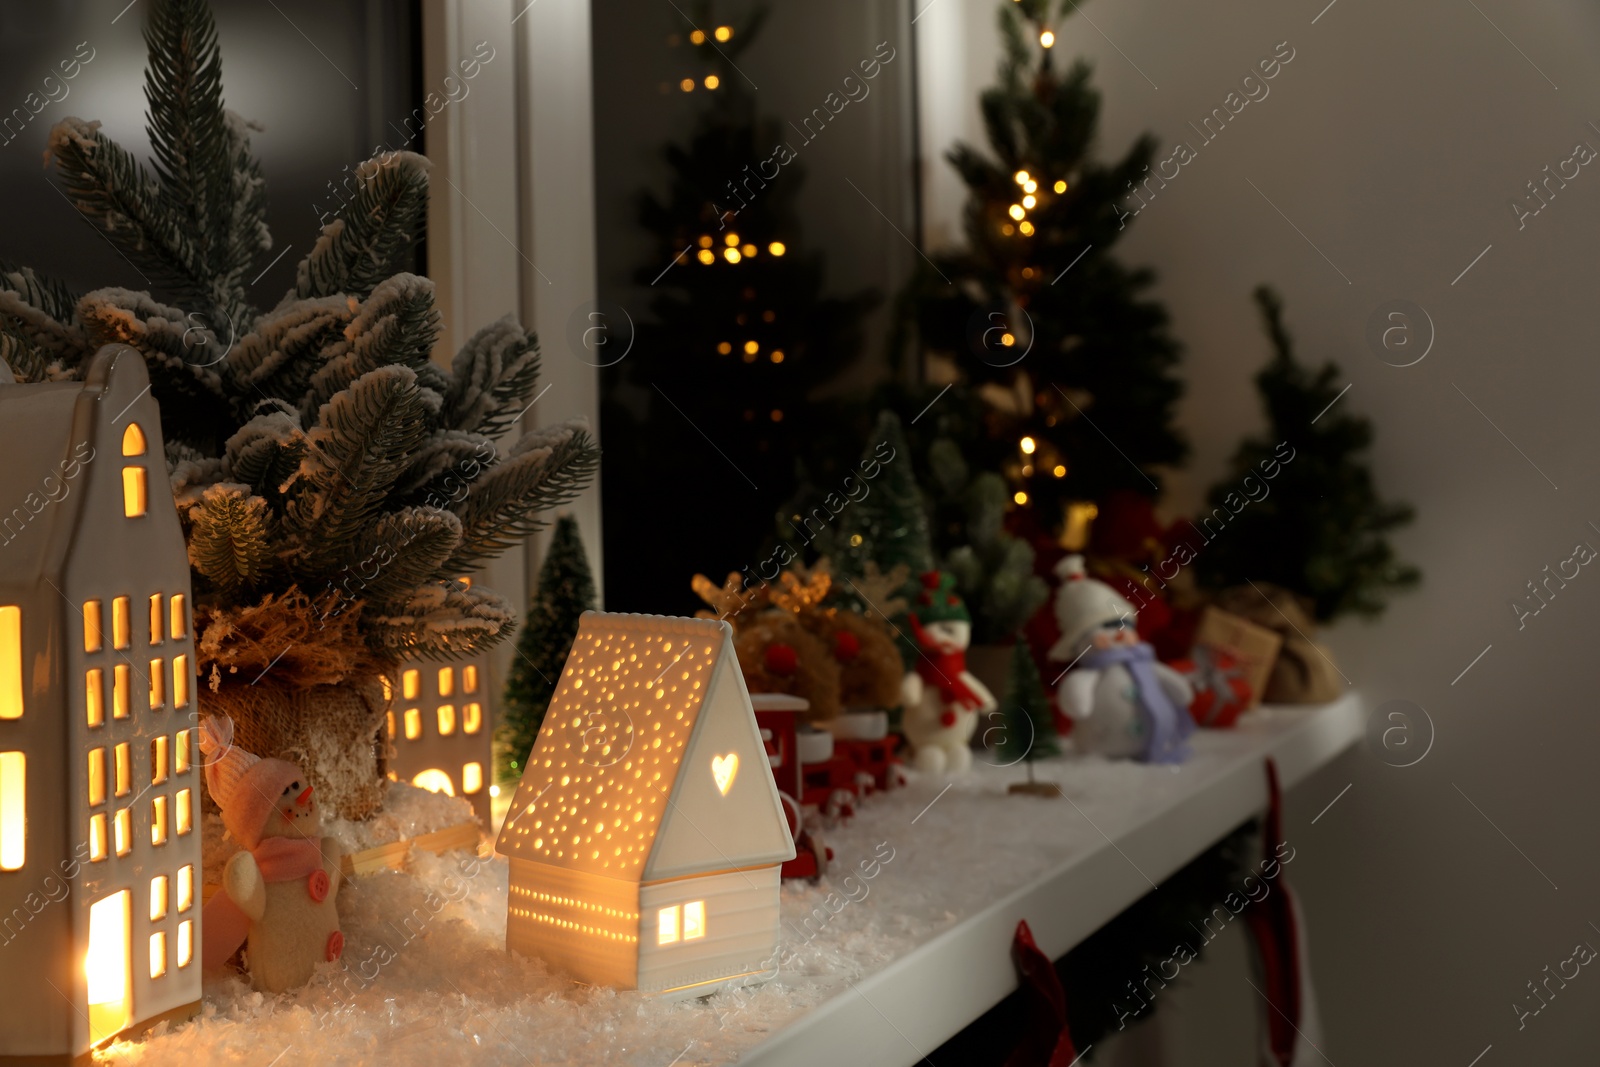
1035	314
739	339
1321	530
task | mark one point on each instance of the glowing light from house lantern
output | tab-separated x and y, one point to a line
435	781
10	662
13	810
723	771
107	965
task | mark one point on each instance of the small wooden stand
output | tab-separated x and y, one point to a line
1035	789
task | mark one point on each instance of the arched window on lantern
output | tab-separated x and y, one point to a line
134	489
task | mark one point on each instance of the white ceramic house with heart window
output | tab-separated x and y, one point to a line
646	835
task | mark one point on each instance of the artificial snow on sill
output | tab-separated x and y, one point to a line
426	978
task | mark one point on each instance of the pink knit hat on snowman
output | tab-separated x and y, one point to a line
245	786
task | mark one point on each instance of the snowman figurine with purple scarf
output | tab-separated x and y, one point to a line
1122	701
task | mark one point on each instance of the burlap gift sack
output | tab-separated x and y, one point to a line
1303	672
300	684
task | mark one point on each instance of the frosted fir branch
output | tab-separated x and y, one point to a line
492	377
265	452
34	339
395	326
47	296
354	252
400	552
232	537
444	466
287	347
190	472
447	621
357	449
178	354
545	469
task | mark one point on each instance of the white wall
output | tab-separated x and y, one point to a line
1395	141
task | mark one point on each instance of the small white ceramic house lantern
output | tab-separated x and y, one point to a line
99	789
439	728
646	835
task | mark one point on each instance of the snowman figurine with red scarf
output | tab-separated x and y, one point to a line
941	697
279	891
1123	702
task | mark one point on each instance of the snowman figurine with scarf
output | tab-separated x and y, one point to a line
942	699
1122	701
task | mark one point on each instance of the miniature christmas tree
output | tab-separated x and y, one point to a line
739	335
1028	723
888	526
1320	531
1036	313
566	591
332	481
993	570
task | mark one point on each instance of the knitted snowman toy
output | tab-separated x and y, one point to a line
1122	701
941	698
279	891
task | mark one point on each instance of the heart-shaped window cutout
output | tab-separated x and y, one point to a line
723	768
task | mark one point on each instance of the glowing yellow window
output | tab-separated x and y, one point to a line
472	717
413	724
121	622
122	831
469	678
158	898
185	942
667	925
133	491
178	617
410	684
158	820
158	954
97	776
10	662
124	769
157	629
93	629
107	965
185	802
185	888
94	691
180	681
390	717
447	681
471	778
97	837
158	683
694	920
13	810
447	720
180	753
158	760
121	691
435	781
133	440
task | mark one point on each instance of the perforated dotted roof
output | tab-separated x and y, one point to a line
595	789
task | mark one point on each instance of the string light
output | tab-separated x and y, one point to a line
1030	186
697	37
724	32
768	316
1047	39
731	240
724	348
687	85
707	256
1061	186
1028	445
1059	471
1022	177
1007	339
777	415
705	240
777	248
712	81
731	255
748	250
1027	470
777	355
1029	201
752	347
1020	497
1027	229
1008	229
1016	211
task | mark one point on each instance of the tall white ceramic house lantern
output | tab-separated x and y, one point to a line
99	788
439	728
646	834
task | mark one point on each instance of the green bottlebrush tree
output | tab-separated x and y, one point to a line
1036	313
1028	729
331	480
1321	530
889	525
993	570
566	591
